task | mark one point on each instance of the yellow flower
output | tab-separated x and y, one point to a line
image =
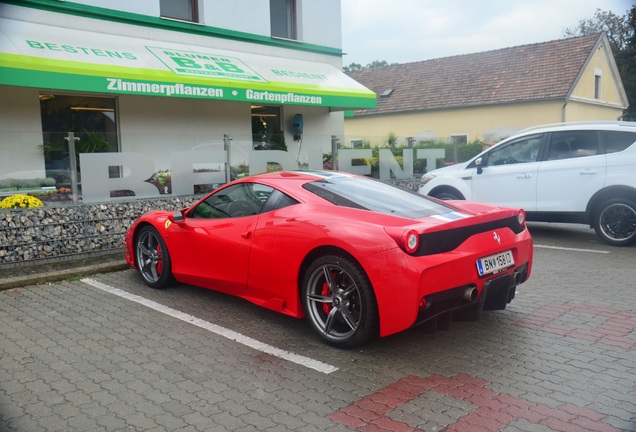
20	201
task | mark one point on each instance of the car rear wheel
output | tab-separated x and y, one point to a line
615	222
339	302
153	259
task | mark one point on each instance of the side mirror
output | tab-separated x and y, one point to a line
178	216
479	167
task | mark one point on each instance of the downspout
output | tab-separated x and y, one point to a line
567	100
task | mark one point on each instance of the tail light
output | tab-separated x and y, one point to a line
410	241
521	217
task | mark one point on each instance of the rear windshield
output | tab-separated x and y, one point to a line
373	195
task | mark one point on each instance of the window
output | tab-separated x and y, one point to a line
373	195
459	139
522	151
598	73
185	10
245	199
267	132
92	119
617	141
573	144
283	18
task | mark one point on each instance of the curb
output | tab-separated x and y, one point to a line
61	274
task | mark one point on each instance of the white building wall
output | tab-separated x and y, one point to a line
21	130
320	20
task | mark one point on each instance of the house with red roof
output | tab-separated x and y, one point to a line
490	95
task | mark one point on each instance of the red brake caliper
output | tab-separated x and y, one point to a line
326	307
160	260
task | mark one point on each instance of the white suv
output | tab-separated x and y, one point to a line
570	172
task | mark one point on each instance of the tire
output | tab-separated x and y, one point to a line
152	258
615	222
339	302
448	195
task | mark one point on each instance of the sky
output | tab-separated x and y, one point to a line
403	31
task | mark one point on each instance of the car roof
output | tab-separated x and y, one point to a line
304	175
587	125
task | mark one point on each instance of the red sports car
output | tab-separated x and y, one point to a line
357	257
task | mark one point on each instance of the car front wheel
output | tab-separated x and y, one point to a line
615	222
339	302
448	195
153	259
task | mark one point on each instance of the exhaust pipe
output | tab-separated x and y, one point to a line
517	277
470	294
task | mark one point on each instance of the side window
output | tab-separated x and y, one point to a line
244	199
572	144
283	19
521	151
185	10
617	141
277	200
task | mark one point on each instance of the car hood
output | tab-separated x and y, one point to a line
447	169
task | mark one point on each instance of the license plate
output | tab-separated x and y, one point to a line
494	263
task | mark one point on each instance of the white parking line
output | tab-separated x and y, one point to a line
572	249
221	331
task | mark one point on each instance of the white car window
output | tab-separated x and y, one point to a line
522	151
617	141
573	144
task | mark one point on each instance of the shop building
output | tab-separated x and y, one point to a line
144	87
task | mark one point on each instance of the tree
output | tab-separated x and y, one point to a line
355	67
621	32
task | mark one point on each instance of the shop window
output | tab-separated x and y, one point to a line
283	18
267	132
93	120
185	10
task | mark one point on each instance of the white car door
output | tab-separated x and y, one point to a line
571	173
509	174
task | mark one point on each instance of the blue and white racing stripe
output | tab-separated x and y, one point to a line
452	216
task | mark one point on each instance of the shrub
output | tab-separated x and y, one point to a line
11	183
20	201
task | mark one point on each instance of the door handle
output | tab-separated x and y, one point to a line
246	235
588	172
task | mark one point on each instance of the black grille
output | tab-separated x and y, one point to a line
447	240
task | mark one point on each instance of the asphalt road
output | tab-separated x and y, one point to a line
106	353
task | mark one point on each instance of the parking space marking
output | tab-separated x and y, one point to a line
571	249
216	329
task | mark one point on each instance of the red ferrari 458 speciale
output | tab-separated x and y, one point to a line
359	258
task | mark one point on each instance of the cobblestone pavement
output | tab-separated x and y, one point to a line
102	352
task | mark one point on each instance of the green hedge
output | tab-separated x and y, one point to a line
16	184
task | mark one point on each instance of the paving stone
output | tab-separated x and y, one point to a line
560	357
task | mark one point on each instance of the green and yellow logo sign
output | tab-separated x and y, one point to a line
201	64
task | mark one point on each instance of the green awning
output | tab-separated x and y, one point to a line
56	58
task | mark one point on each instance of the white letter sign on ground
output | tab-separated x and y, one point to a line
260	158
182	165
97	184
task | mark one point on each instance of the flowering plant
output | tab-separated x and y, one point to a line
20	201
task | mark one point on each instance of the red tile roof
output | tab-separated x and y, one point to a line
526	73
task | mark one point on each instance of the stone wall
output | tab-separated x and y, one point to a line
28	236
